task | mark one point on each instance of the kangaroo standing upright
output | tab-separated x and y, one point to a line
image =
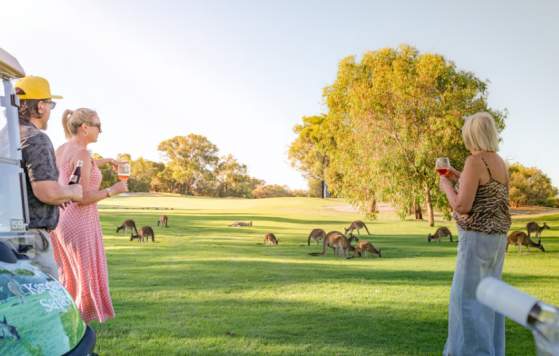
521	238
128	225
163	220
270	239
316	235
357	225
533	226
441	232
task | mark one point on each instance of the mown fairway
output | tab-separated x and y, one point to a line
207	289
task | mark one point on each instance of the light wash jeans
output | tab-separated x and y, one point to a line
474	329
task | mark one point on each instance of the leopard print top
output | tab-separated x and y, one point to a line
490	211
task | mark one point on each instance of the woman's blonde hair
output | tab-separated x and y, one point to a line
73	119
480	132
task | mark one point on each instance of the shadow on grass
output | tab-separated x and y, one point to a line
260	326
219	275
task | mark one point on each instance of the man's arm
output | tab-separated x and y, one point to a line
52	193
40	163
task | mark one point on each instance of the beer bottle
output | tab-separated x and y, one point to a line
76	175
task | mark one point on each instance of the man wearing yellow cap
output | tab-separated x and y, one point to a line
45	194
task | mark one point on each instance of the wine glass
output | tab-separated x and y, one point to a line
123	171
442	165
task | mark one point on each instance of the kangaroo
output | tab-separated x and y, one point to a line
316	235
270	239
357	225
521	238
128	225
441	232
8	331
337	241
163	220
241	223
533	226
145	233
363	247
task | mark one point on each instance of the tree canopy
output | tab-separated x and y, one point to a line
530	186
389	117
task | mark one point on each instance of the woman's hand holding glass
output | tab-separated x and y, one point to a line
445	170
119	187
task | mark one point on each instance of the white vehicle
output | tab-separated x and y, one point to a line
37	315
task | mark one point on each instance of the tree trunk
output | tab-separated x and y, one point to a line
430	212
417	211
371	206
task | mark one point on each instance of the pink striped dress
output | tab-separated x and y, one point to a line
80	253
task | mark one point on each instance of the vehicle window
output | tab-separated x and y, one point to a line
6	149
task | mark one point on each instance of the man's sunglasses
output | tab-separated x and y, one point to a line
51	104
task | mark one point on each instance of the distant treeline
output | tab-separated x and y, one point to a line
192	165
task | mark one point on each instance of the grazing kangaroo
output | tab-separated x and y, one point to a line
163	220
270	239
241	223
521	238
316	235
337	241
441	232
128	225
145	233
357	225
363	247
533	226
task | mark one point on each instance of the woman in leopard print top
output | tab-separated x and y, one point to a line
481	210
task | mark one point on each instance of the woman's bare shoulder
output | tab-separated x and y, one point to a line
473	162
70	153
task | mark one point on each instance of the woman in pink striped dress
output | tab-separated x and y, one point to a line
78	240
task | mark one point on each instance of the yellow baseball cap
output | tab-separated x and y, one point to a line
33	87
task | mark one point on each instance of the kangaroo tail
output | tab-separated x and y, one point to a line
309	240
365	226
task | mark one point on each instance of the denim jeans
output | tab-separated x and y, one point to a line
474	329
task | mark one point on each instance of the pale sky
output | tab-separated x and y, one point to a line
243	73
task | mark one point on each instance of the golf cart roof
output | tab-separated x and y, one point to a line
9	66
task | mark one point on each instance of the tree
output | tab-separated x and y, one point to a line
308	152
191	161
316	188
530	186
109	176
142	173
271	191
389	117
233	180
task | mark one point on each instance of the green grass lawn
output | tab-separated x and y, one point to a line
208	289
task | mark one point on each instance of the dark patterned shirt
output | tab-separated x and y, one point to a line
39	164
